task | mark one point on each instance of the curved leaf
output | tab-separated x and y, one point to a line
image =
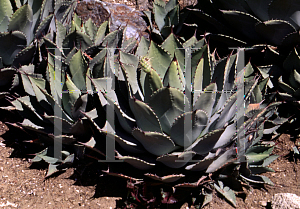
155	143
243	22
101	33
10	45
206	143
6	9
145	118
207	99
175	49
78	40
185	134
168	104
202	165
274	30
176	159
137	163
159	59
285	10
22	21
78	69
227	157
165	179
174	77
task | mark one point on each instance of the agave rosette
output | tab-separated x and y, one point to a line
254	22
153	107
56	87
23	28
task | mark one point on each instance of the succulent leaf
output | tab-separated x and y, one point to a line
285	10
159	59
174	48
137	163
25	57
274	30
226	192
77	39
292	61
258	179
243	22
10	45
159	13
168	104
78	69
150	80
143	47
256	169
185	135
6	9
176	159
90	28
146	119
201	70
22	20
227	157
155	143
226	136
165	179
6	76
295	79
60	33
101	33
36	10
202	165
70	94
205	144
207	99
112	39
174	77
47	9
258	153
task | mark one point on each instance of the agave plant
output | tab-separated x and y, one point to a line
23	27
274	22
288	85
177	139
56	86
267	30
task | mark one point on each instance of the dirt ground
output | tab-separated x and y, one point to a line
22	185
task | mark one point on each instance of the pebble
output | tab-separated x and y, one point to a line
263	203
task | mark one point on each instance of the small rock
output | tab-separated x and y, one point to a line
285	201
58	199
263	203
